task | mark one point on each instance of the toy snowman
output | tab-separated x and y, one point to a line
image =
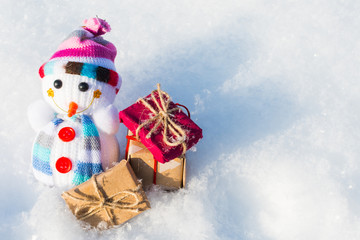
77	122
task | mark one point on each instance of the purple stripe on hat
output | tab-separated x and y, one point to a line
101	41
85	52
81	34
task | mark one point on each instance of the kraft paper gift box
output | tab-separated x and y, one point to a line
165	130
110	198
170	175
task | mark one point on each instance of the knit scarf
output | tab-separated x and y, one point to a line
89	162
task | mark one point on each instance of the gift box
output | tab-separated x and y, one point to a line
110	198
170	175
165	130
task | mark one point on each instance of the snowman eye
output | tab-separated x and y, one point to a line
83	86
57	83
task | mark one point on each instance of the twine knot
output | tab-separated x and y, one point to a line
163	117
163	114
102	203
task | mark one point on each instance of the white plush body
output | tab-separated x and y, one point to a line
103	114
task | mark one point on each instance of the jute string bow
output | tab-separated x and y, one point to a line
163	116
94	206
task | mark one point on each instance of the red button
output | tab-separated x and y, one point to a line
66	134
63	165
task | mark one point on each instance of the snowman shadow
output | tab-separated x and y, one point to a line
194	76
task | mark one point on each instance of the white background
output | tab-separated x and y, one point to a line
274	85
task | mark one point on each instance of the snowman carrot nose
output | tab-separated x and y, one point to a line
72	109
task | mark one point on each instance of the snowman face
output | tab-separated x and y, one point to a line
76	94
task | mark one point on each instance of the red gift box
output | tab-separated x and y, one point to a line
165	130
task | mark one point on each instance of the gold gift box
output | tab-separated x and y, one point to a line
170	175
110	198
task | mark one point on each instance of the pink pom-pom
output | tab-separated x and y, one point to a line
96	26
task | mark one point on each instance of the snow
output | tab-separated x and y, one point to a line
273	84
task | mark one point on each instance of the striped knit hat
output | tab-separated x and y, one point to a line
84	52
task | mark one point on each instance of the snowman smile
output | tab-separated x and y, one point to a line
73	107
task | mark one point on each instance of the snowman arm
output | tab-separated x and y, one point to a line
39	114
107	120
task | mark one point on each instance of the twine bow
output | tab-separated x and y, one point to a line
94	206
162	116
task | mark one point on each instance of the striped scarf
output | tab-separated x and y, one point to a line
89	162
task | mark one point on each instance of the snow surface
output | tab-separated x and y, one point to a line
274	85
